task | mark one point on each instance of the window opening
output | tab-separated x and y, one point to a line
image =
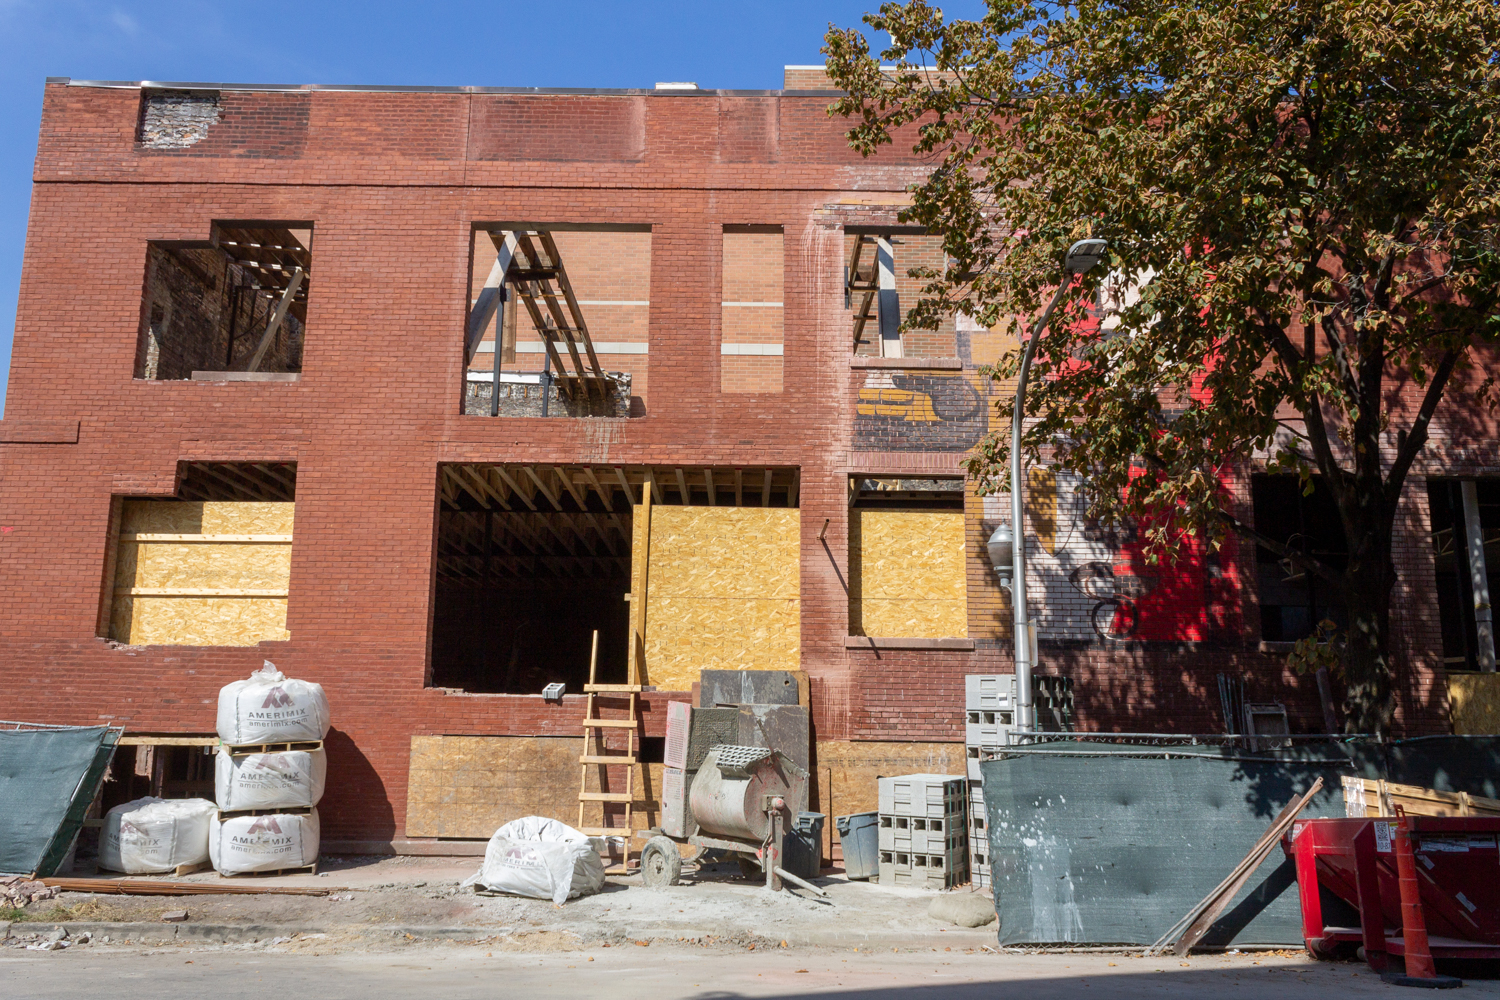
1459	572
877	277
210	567
531	559
230	308
907	575
532	307
1293	601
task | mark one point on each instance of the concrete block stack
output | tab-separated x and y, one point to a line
269	774
923	831
989	719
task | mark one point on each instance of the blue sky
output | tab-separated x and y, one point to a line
559	43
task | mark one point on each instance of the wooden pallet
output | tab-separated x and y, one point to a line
1369	797
239	749
311	869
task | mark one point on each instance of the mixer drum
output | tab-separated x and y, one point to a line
729	794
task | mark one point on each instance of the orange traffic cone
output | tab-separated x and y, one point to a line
1419	968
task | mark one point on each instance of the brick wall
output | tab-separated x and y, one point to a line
752	314
396	184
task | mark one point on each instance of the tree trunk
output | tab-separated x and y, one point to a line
1368	702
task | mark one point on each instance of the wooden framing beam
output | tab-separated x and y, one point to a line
567	480
530	470
499	489
739	487
515	487
608	499
793	494
276	320
765	491
625	484
708	483
489	299
684	497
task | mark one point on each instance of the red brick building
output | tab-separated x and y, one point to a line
241	301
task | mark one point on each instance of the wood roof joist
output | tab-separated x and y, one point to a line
515	487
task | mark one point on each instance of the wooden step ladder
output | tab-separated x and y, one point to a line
596	753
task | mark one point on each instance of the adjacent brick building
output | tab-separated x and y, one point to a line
444	563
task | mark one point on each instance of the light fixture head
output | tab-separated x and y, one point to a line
1002	546
1084	255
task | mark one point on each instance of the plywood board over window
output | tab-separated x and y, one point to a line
723	592
202	574
906	574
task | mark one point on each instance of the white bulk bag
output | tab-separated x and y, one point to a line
540	858
263	843
155	835
271	708
290	779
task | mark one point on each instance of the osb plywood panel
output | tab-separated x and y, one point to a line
725	552
198	621
1475	701
854	767
906	574
194	620
722	592
221	518
229	566
469	786
909	618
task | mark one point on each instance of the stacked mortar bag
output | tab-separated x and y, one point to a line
269	774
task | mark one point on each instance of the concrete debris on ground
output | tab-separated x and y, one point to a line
966	909
18	890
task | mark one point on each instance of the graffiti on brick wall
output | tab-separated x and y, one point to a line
1089	582
902	412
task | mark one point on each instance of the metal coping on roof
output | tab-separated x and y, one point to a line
298	88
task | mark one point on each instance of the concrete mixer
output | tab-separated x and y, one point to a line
738	803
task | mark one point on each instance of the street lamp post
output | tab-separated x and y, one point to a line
1007	548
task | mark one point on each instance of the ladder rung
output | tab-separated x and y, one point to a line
610	724
606	797
620	759
614	688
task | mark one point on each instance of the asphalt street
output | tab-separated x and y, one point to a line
667	973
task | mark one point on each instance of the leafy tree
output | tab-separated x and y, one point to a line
1303	193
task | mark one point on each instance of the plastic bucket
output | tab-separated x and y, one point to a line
802	851
860	836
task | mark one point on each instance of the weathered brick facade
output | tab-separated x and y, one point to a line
394	183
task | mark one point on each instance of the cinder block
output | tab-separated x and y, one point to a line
931	795
990	692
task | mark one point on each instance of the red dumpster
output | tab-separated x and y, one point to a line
1458	873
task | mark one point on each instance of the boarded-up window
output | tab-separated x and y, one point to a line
906	574
723	591
751	324
193	573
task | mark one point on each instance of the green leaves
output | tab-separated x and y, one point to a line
1301	200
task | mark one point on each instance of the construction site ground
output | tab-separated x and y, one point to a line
418	898
397	925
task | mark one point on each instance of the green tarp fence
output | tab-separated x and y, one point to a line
48	777
1094	843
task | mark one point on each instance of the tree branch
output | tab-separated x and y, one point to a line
1416	437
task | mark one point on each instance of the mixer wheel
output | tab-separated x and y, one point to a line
661	863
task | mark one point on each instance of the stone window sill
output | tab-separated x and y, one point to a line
910	364
892	642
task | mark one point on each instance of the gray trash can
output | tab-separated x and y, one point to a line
860	835
802	850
